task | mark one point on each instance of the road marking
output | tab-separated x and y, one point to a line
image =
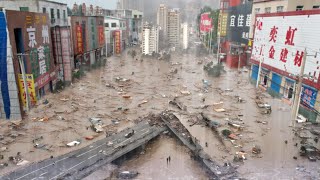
92	156
90	150
68	170
43	173
41	168
144	133
120	144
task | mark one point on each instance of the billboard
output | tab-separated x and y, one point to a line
31	90
280	40
239	21
79	39
308	96
223	20
117	41
205	22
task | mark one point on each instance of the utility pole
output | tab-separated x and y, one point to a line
259	71
297	97
239	62
23	72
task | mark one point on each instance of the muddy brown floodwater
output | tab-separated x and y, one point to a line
152	164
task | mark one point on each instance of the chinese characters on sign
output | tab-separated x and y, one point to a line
308	96
206	23
31	90
101	35
223	20
284	40
39	55
79	38
117	42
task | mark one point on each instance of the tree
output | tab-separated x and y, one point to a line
214	14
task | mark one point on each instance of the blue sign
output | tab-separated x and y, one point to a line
308	96
4	90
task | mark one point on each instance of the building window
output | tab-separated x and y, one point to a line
299	8
113	25
24	9
257	10
316	7
44	10
279	8
267	10
52	13
58	13
106	24
64	14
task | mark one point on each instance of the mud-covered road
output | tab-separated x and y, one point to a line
128	88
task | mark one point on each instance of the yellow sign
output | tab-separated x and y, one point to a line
223	20
31	90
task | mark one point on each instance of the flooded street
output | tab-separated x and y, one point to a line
127	89
153	165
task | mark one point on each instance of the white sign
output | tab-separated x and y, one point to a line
32	36
280	42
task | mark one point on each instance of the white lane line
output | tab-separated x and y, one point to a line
43	174
144	133
122	143
92	156
41	168
67	170
90	150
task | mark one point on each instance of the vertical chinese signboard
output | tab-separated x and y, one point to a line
79	38
101	36
205	23
280	41
31	90
239	21
117	41
223	21
38	41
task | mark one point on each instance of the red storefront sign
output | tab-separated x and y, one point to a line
117	42
206	23
79	38
101	35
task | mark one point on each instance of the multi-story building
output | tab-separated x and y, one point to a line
131	4
115	28
173	30
280	43
276	6
185	35
150	40
28	64
162	17
59	30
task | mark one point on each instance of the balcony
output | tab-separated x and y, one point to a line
58	22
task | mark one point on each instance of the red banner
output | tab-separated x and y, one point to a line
101	35
79	38
206	23
117	42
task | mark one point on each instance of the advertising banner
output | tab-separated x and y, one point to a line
117	40
31	90
308	96
223	21
79	39
280	41
206	23
101	35
239	21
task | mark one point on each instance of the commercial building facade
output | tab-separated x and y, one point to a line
115	29
162	18
185	35
279	43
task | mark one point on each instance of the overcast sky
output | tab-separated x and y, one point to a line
108	4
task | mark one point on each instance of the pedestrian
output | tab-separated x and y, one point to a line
169	159
206	144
